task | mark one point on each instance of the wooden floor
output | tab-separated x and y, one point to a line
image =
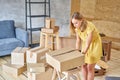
113	70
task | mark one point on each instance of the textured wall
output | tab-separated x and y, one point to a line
104	14
15	10
60	10
108	11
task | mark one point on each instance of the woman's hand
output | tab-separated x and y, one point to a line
82	53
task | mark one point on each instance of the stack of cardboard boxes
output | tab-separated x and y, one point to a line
48	33
50	26
18	62
31	60
37	69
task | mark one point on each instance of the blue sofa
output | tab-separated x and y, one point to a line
11	37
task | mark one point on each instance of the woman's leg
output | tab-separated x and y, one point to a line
90	69
84	71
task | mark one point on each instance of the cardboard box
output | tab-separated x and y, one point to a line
107	49
18	56
102	64
41	76
47	23
36	67
65	59
71	40
36	55
99	72
13	69
47	30
66	41
50	23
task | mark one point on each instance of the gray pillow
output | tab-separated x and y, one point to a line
112	78
7	29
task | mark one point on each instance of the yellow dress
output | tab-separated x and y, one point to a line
94	52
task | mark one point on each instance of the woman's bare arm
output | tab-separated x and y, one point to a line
88	42
78	41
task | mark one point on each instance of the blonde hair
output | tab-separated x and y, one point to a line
78	16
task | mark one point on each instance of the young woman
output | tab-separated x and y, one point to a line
88	35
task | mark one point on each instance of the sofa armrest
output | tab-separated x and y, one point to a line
23	36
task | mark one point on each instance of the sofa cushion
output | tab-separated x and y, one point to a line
112	78
7	29
10	43
6	52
